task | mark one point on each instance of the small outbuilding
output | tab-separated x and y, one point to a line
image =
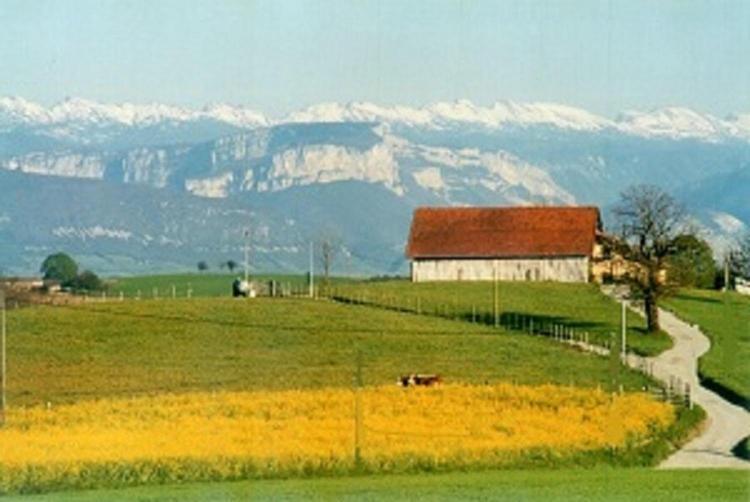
538	243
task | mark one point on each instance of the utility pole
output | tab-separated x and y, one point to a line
358	429
312	275
247	256
2	357
624	322
495	294
727	259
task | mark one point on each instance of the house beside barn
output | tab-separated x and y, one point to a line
507	243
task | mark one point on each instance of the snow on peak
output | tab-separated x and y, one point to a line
461	111
360	112
239	116
669	122
15	109
79	110
673	122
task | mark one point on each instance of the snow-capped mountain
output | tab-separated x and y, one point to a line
18	111
672	122
140	181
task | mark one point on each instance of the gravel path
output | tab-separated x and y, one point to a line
726	423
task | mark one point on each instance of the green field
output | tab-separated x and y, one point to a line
92	350
578	307
133	347
560	485
725	319
200	284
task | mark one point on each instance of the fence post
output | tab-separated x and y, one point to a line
122	296
155	293
174	292
138	295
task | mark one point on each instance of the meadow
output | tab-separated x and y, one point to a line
213	372
725	319
579	307
521	306
62	354
205	284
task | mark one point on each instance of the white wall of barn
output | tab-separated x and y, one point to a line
561	269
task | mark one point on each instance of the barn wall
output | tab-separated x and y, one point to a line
562	269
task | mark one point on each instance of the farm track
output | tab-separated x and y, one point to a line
727	424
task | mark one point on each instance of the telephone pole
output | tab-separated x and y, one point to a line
312	276
247	256
2	357
623	349
495	295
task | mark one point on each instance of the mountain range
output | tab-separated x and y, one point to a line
131	188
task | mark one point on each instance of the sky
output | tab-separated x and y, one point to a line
279	56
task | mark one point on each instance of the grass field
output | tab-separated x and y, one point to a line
200	284
581	307
60	354
576	485
104	352
725	319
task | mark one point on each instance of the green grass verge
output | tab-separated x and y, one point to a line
94	350
581	307
725	319
557	485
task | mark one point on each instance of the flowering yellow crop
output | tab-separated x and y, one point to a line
239	434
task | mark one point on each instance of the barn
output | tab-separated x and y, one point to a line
508	243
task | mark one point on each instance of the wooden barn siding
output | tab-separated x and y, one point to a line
561	269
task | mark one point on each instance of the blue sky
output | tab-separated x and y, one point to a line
276	56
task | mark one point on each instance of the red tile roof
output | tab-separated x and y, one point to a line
502	232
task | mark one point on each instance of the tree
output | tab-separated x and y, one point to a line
740	258
87	281
692	263
328	246
231	265
650	221
60	267
202	266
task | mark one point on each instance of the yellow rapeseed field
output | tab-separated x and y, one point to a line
240	434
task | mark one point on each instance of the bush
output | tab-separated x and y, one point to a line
86	281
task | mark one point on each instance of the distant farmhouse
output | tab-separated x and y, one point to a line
507	243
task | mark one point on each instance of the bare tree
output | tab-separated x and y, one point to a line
650	221
328	247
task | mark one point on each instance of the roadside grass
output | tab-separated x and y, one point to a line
574	485
63	354
581	307
725	319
